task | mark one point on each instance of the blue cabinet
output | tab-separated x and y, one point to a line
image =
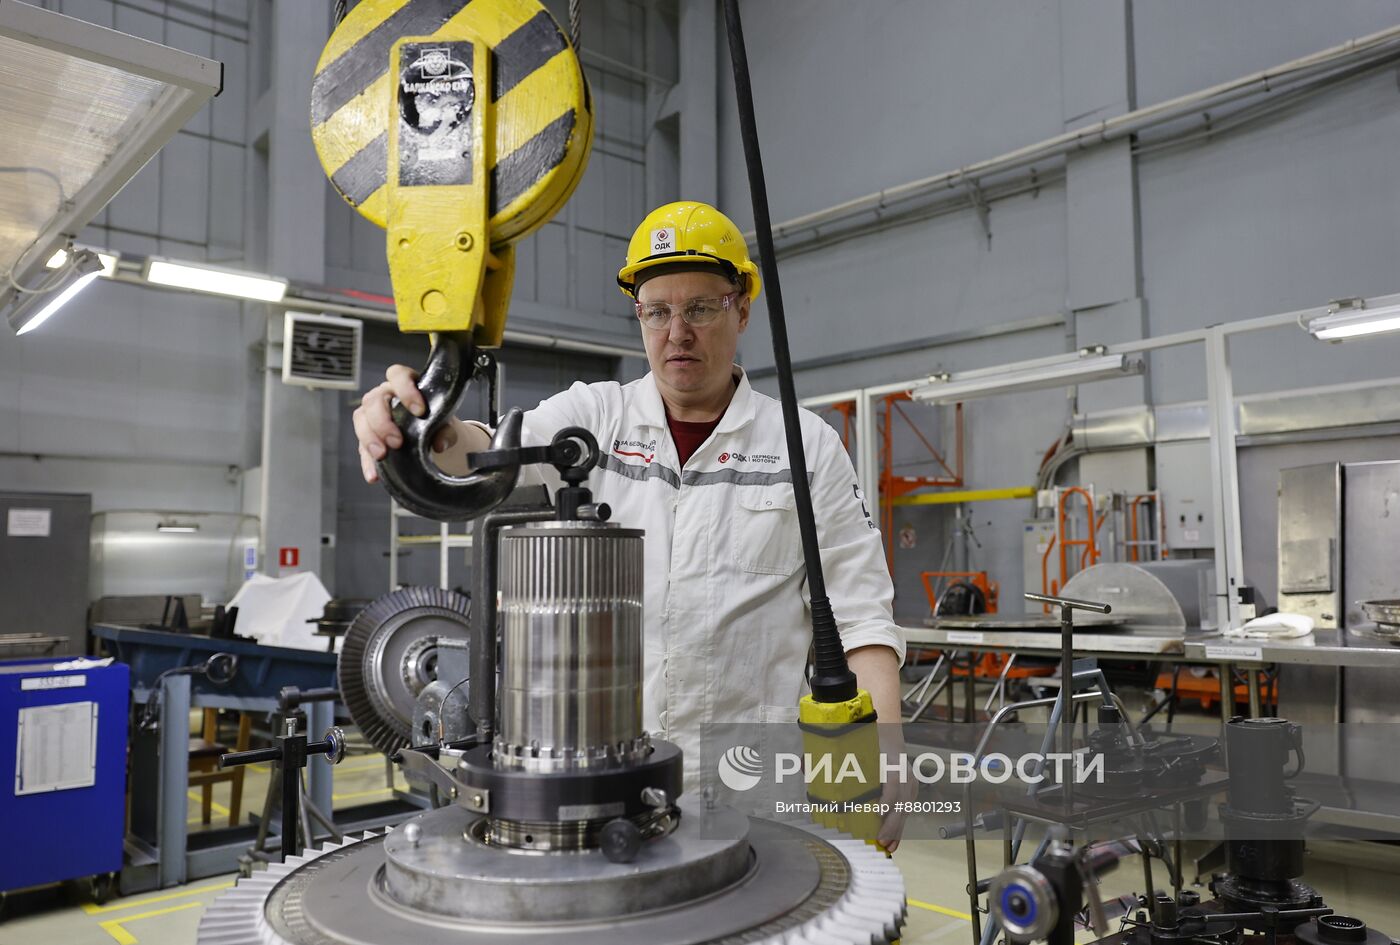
62	770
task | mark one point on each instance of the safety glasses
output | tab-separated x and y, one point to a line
696	312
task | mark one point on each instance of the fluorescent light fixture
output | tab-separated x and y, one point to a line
177	528
109	261
30	311
1350	318
1080	368
199	277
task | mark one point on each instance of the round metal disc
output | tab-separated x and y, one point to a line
808	885
540	98
390	654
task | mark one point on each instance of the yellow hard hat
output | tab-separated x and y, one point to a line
683	232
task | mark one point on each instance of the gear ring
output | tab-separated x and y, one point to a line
386	659
860	899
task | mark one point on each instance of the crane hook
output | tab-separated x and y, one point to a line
409	473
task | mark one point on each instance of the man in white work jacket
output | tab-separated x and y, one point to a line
697	458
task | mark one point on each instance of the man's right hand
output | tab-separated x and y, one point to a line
374	423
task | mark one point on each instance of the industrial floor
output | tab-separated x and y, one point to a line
1355	879
934	871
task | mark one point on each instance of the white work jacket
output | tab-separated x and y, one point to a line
727	623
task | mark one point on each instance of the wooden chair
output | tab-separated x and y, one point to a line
204	764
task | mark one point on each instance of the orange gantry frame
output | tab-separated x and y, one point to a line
893	486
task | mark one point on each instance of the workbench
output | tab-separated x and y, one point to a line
1324	648
1361	803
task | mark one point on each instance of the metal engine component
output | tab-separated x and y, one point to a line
571	683
571	759
804	885
1339	930
1264	821
390	655
1023	900
440	712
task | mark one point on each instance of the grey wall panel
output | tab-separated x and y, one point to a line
590	267
229	111
226	201
1185	45
189	388
1095	60
137	207
551	255
184	189
1282	217
926	97
1101	223
147	24
100	12
178	486
927	278
526	269
43	578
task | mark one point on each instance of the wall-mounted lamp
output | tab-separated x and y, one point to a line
1351	318
1086	365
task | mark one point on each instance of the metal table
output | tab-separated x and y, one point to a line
1194	645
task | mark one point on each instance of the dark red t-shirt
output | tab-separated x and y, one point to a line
689	436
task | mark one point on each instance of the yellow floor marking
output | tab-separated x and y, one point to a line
114	928
92	909
941	910
215	806
352	794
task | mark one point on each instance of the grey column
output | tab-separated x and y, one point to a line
698	54
174	778
319	779
295	240
1101	226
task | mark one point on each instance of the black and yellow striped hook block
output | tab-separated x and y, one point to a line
460	126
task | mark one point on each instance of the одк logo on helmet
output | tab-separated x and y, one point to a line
663	240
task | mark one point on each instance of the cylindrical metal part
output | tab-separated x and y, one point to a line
1258	751
571	640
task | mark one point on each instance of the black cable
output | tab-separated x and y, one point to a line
832	679
219	669
340	11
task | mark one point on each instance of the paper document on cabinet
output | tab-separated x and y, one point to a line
57	748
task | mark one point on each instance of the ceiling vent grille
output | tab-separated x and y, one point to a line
321	351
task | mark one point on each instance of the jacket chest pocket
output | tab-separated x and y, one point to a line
766	537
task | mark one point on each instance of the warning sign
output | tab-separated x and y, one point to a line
908	538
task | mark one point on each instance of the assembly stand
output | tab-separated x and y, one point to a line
287	791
